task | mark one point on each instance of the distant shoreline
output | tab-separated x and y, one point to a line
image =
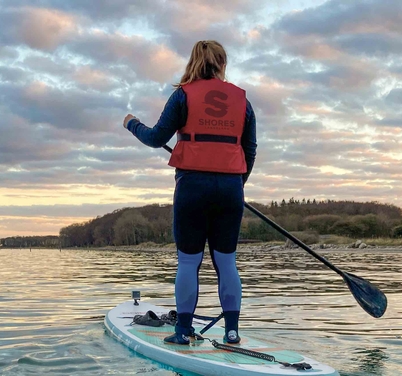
244	247
241	248
258	247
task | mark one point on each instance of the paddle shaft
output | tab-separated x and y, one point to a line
293	239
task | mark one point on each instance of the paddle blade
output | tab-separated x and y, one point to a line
370	298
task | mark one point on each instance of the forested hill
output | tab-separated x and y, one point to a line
153	223
308	207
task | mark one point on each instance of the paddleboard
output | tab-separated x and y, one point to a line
203	358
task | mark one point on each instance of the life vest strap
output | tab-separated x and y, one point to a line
207	138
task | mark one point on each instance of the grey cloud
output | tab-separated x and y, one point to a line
12	75
370	44
120	176
71	109
396	68
59	69
54	125
42	153
53	65
60	163
395	96
21	142
340	16
390	122
226	34
345	78
296	129
335	33
113	11
182	23
9	20
268	99
104	10
310	148
347	89
7	52
147	59
276	67
309	184
389	172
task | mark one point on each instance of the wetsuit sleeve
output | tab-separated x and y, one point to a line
249	140
173	117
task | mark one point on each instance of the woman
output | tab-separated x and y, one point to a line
214	155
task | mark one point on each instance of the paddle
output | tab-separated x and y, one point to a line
370	298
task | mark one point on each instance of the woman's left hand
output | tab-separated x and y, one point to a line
127	119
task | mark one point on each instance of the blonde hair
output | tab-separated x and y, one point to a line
208	59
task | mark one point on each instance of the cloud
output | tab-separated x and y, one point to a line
370	44
105	10
11	74
268	95
340	17
38	28
394	96
147	59
75	110
8	53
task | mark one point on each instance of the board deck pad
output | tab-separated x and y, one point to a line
205	350
203	358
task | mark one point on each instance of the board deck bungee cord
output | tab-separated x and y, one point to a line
202	357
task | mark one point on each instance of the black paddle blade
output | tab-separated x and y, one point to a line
370	298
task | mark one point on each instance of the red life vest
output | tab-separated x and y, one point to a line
210	140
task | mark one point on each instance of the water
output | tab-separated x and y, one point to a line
52	306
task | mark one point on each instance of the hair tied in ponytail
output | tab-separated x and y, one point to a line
207	60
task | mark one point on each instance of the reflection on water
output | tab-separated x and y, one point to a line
371	360
52	306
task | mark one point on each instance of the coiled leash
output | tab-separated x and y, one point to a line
298	366
151	319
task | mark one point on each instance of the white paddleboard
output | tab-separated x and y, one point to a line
203	358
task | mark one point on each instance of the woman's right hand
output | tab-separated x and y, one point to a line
128	118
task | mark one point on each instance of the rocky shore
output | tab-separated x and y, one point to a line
251	247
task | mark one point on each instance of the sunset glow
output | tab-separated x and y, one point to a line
324	78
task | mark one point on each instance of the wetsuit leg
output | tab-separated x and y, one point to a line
225	213
190	209
186	289
223	232
229	288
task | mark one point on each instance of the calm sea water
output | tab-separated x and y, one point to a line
52	306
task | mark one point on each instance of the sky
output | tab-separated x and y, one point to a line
324	79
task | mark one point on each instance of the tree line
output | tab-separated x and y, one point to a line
49	241
126	226
153	223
